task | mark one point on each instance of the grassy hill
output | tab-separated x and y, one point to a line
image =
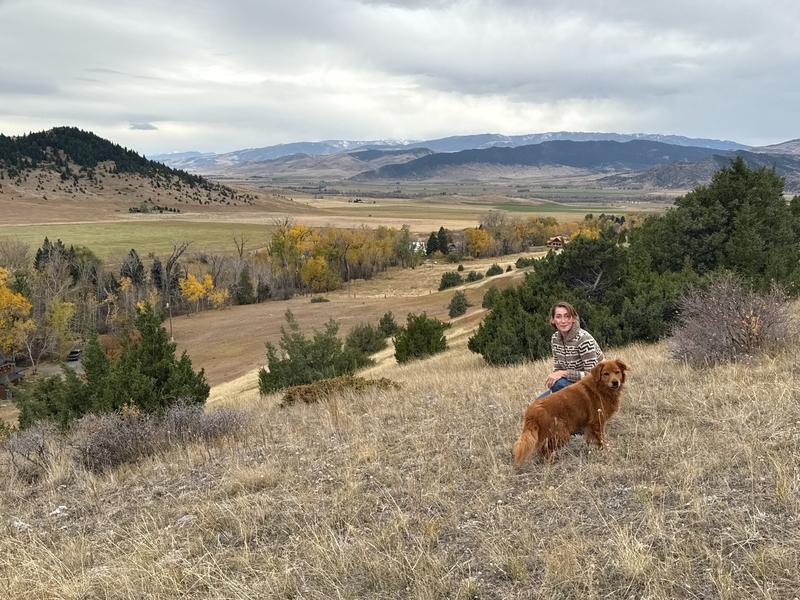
411	493
63	145
66	163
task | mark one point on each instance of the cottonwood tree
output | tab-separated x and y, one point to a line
15	320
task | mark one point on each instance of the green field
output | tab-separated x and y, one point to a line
113	239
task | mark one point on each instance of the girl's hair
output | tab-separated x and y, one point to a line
570	310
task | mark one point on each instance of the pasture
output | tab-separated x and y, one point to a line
145	234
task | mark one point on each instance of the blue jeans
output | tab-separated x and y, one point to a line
558	385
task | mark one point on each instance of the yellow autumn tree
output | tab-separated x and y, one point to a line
317	275
478	241
218	297
15	321
195	290
58	333
192	290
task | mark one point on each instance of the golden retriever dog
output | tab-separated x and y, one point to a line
585	405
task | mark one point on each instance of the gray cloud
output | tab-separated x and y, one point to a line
251	73
143	126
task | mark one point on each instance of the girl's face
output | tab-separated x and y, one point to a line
562	320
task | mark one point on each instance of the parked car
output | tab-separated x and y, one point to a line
74	354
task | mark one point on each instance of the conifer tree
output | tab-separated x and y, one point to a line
443	240
432	245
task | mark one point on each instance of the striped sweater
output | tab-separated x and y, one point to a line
577	353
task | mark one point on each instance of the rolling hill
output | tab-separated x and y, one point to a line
341	165
595	156
685	175
45	169
638	163
788	147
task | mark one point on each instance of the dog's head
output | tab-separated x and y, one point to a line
610	373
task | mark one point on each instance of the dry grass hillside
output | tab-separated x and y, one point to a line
411	493
39	196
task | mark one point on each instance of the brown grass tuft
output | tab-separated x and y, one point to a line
319	391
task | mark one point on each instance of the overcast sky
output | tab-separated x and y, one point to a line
161	76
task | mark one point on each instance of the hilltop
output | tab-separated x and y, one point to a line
42	171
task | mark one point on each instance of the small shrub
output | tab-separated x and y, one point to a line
302	360
31	450
315	299
509	268
322	390
6	430
474	276
490	297
366	339
523	262
422	336
450	279
223	422
495	269
460	268
458	305
455	257
102	442
388	325
728	321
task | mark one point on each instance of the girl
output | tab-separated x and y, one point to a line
575	351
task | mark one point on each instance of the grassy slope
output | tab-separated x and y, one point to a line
411	494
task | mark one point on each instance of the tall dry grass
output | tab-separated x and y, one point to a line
411	493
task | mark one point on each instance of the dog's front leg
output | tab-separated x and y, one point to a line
594	435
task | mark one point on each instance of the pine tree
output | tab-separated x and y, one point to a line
157	274
421	337
243	293
432	245
388	325
133	268
458	305
443	240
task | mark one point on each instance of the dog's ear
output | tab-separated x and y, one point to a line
597	372
622	367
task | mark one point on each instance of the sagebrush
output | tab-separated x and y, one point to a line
729	321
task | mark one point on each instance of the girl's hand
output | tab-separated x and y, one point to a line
554	376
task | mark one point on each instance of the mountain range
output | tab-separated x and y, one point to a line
209	162
608	160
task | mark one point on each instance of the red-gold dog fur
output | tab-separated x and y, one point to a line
586	405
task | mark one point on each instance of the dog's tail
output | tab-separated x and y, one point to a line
527	442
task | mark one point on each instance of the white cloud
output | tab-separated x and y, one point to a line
212	76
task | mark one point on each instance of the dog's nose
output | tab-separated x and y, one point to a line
615	384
